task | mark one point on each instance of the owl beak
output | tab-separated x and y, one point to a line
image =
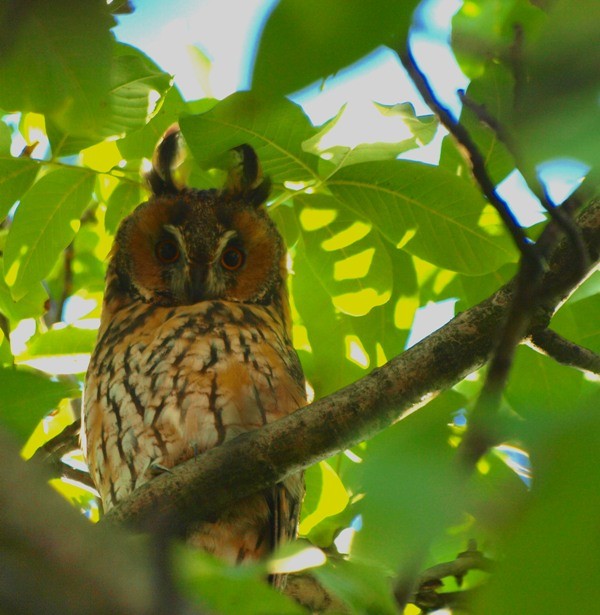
197	289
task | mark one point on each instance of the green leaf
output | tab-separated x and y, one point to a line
5	138
141	143
560	525
29	306
6	357
484	30
224	589
343	347
426	210
134	78
578	321
57	61
410	470
16	176
366	587
44	224
275	128
305	40
27	396
557	110
471	290
61	341
124	198
532	389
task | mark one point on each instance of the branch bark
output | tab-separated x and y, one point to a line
566	352
257	459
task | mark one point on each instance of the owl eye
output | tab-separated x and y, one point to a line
167	251
232	258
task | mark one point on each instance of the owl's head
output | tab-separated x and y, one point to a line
184	245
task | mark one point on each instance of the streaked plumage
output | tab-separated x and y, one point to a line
194	347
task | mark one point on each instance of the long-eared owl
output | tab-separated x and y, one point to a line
194	346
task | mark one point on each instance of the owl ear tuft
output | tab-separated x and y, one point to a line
160	177
245	180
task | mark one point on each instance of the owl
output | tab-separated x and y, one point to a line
194	347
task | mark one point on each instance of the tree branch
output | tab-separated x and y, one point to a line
427	597
51	454
257	459
565	351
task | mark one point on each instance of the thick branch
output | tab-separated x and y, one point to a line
260	458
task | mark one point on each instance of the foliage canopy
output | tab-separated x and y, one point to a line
372	238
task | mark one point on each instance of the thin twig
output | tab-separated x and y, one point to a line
470	149
67	291
565	351
58	446
51	454
528	296
472	559
430	581
561	215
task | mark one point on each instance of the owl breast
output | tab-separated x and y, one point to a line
165	384
180	381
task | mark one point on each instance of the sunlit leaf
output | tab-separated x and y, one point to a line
326	496
470	290
62	341
44	224
30	305
358	262
428	211
331	365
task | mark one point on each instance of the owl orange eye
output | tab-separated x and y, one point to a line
232	258
167	251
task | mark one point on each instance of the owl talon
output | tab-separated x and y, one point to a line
157	468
